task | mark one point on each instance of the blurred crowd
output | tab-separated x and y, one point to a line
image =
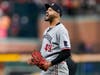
19	18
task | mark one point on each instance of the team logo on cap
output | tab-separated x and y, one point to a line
58	10
52	4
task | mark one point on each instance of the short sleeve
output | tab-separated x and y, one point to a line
64	40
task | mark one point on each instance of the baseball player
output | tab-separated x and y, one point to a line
56	43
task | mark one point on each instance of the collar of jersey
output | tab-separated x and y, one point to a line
53	27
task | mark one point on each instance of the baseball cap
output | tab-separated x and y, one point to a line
55	7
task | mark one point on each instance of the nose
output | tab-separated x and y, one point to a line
46	11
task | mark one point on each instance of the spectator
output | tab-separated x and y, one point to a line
70	6
84	48
4	19
27	17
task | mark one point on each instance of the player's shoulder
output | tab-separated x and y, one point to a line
45	30
62	28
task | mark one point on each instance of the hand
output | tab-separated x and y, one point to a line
30	61
46	66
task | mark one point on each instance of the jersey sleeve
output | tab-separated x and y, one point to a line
64	40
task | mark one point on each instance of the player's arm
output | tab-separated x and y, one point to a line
64	54
64	44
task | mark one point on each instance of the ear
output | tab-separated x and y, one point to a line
57	14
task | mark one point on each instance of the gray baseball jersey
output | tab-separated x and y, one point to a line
54	40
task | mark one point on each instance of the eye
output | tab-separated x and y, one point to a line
50	9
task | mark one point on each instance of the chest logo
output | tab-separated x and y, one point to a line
48	47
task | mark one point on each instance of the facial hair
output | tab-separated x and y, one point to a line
50	18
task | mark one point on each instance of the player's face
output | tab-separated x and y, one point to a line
50	14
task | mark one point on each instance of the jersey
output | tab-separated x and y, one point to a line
54	41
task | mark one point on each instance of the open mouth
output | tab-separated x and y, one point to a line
47	14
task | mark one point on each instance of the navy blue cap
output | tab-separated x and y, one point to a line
55	7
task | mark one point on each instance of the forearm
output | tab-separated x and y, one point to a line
64	54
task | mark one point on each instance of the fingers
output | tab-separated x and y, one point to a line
45	66
30	61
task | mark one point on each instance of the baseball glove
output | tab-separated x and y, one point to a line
39	61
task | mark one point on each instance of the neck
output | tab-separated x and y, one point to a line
54	22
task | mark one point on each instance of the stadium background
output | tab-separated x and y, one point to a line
22	26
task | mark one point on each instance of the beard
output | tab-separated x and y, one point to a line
49	18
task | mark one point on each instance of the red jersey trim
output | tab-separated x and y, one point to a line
66	49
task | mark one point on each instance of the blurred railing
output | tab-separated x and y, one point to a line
18	45
86	64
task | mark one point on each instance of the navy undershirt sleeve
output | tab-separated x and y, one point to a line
64	54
